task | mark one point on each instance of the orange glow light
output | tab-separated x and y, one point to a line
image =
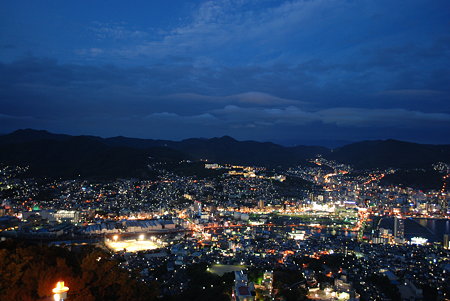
60	288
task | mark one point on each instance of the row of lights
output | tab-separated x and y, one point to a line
141	237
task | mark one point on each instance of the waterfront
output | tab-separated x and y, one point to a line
429	228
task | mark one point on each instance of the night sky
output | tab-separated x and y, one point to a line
292	72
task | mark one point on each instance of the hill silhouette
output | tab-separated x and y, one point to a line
60	155
391	153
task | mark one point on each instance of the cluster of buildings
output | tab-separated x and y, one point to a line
129	226
249	217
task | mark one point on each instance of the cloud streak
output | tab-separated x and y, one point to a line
357	117
247	98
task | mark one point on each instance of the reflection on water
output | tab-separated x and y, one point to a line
332	232
432	229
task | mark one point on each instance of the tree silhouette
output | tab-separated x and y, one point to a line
29	272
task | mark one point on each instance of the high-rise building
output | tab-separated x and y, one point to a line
443	202
261	204
399	228
446	241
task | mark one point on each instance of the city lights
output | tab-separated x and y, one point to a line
132	245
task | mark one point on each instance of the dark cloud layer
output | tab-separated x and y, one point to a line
151	102
290	71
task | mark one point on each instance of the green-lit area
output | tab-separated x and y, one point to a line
220	269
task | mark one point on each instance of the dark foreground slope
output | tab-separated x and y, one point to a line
29	272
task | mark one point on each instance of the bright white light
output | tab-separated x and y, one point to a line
418	241
132	245
141	237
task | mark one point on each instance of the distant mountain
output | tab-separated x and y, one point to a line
64	155
70	157
28	135
391	153
424	179
228	150
135	142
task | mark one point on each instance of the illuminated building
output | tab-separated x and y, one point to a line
399	228
212	166
297	235
243	290
261	204
268	281
132	245
198	207
67	215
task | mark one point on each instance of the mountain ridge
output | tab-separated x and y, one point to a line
123	155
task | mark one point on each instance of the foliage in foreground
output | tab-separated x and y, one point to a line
29	272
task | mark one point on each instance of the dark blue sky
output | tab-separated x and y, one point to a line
291	72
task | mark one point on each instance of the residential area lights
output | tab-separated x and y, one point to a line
161	227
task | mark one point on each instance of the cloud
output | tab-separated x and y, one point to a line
7	46
116	31
249	98
237	116
248	32
399	118
201	118
186	101
90	51
263	116
7	117
220	28
338	116
413	93
258	98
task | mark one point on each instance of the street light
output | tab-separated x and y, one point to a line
60	291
